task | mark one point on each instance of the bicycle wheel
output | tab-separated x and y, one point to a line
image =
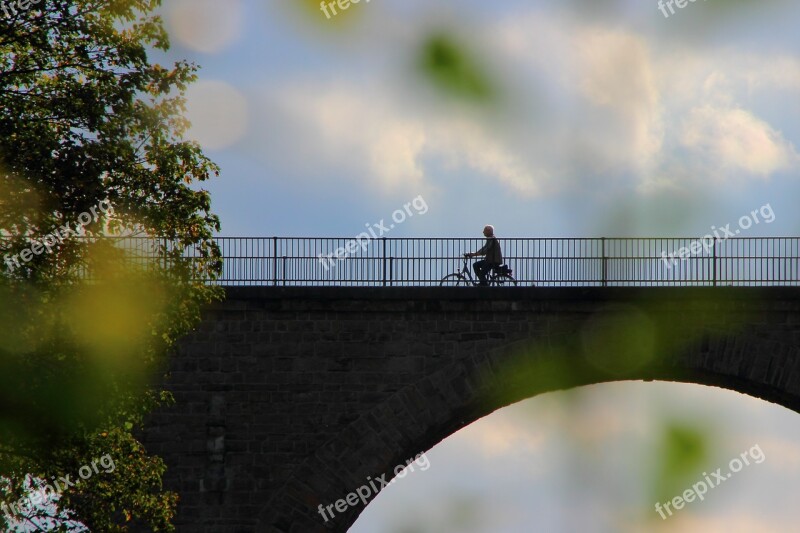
503	280
454	280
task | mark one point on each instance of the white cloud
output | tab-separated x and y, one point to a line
602	83
218	113
739	522
636	106
782	453
468	145
613	110
347	128
395	152
207	26
362	131
734	138
504	432
779	72
616	72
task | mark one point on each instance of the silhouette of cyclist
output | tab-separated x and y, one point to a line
494	256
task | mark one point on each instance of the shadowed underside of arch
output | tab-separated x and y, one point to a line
290	398
425	413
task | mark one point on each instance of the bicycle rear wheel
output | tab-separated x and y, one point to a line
454	280
503	280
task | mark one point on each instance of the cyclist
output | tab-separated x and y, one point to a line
494	257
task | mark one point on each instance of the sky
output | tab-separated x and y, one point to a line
604	118
584	461
610	120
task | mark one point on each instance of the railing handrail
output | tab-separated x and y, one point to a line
544	261
575	261
350	237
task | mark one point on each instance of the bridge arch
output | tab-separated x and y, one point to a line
291	398
418	417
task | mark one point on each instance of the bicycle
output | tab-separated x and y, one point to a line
500	277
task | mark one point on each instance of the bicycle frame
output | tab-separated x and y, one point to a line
465	271
495	276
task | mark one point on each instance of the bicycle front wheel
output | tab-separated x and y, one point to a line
454	280
503	280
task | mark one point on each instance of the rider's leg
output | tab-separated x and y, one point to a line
480	268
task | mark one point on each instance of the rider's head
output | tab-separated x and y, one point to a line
488	231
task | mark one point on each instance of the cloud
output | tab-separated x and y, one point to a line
782	453
469	145
343	127
592	105
206	26
779	72
218	113
602	90
394	153
735	139
362	130
504	432
668	117
616	72
739	522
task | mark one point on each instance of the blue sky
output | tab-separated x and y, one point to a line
612	120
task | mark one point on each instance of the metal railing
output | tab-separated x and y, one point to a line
545	262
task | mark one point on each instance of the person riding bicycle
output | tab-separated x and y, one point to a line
494	257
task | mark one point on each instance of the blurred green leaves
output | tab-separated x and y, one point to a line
331	18
69	359
619	339
683	455
450	67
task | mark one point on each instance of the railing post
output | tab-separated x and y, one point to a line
715	264
274	261
283	270
384	260
605	260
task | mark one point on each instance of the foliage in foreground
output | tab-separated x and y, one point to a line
91	145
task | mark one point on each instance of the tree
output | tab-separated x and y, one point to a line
91	145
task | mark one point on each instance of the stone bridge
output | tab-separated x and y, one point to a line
289	398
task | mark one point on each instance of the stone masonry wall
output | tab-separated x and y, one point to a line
288	398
